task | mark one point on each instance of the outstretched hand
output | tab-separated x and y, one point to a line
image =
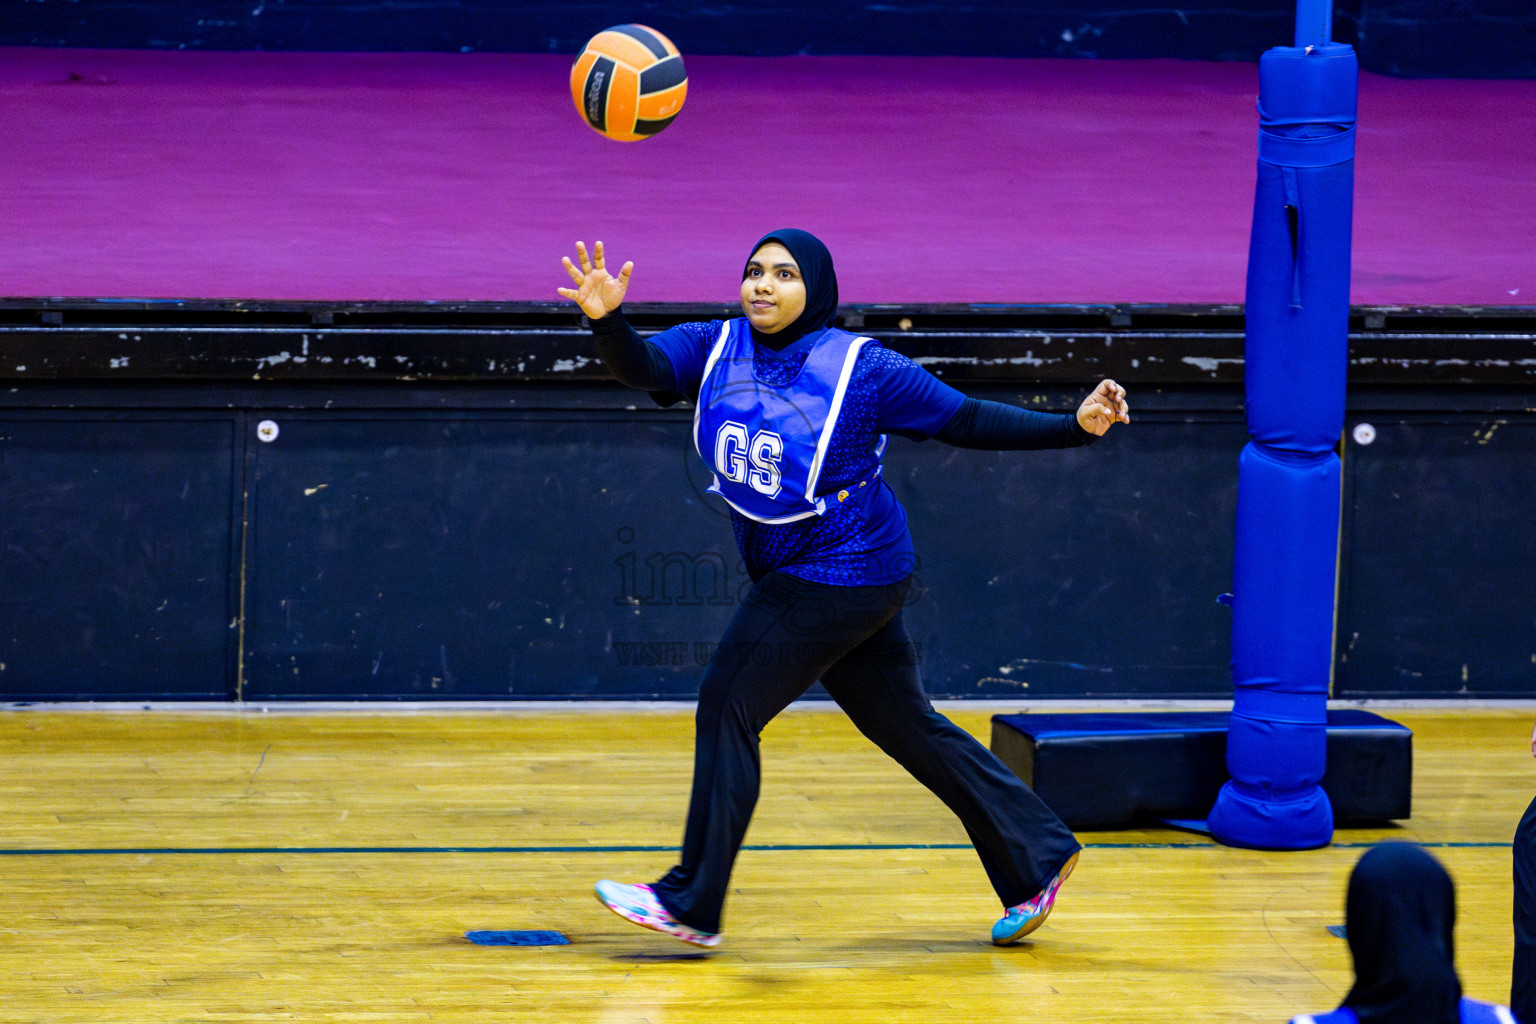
1102	409
597	292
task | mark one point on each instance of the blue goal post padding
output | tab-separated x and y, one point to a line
1297	322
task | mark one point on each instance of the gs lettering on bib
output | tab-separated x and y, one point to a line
765	444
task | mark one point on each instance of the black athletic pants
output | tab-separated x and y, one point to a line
1522	987
788	633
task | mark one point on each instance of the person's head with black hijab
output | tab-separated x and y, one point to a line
788	287
1399	914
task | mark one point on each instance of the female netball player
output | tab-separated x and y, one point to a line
791	416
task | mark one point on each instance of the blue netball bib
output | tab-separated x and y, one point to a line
765	444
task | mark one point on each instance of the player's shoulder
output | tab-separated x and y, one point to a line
867	341
708	328
874	358
702	333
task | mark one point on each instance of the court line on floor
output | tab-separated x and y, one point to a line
149	851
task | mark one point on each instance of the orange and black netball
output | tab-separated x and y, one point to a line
629	82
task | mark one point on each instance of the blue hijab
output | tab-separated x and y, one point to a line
815	263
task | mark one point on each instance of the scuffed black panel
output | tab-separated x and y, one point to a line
1438	597
481	556
115	557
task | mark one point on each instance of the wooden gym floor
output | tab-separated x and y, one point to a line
249	866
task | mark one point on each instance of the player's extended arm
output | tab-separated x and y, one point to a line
994	426
633	361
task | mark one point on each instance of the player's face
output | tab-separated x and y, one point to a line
773	292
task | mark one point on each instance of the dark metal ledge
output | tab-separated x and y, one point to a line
204	340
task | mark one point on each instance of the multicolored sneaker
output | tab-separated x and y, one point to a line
1031	914
639	904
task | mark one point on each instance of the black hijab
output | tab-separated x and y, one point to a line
1399	914
820	279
